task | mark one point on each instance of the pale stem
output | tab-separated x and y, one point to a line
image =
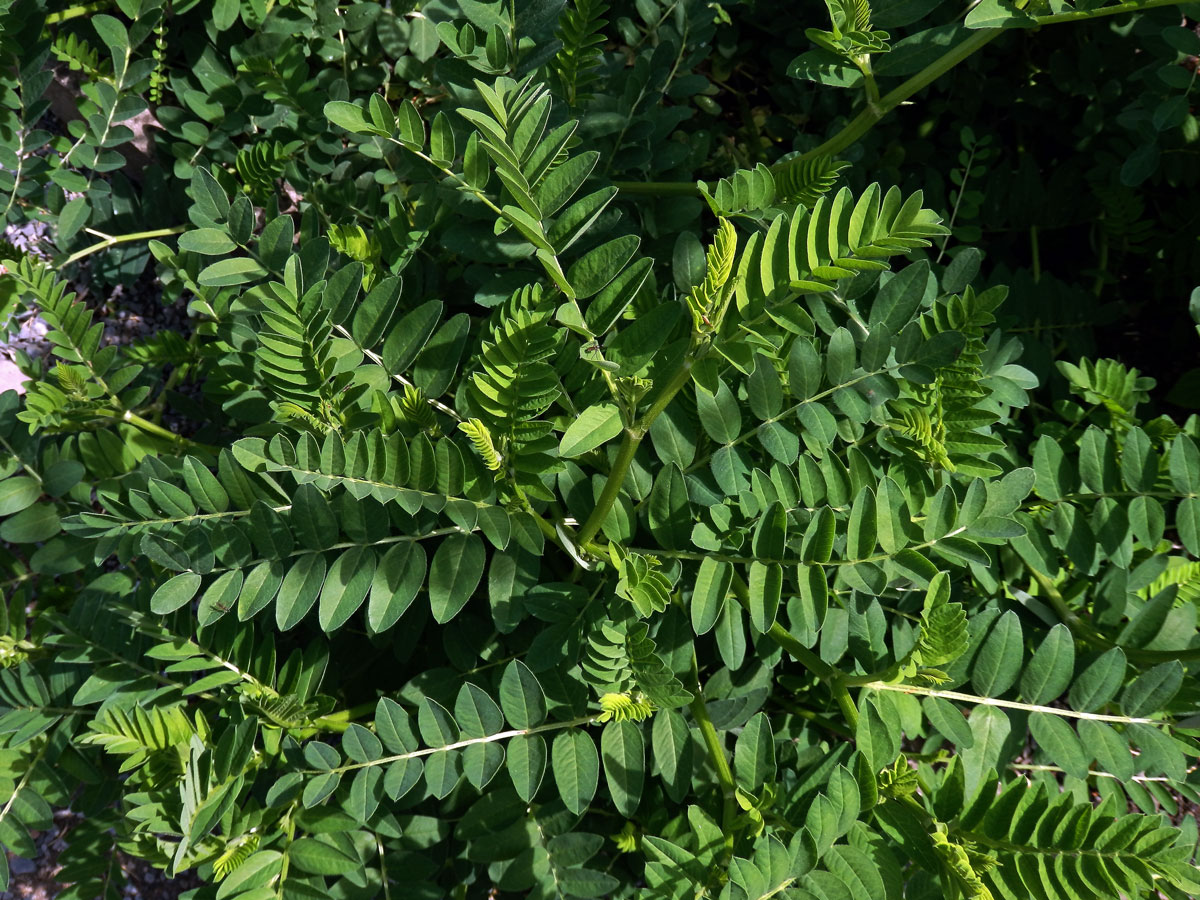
1007	704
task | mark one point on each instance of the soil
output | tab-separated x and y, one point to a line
37	879
129	313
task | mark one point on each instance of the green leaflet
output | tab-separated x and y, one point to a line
766	586
671	747
1099	682
754	754
1153	689
947	719
669	510
595	426
318	858
521	696
175	592
999	658
622	750
1051	667
454	573
345	587
719	414
526	762
801	559
876	737
405	341
397	578
299	590
708	597
576	766
1060	742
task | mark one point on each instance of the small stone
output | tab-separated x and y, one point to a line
19	865
11	378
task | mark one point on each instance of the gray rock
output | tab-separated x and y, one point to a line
19	865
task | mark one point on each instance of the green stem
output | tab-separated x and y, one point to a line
794	648
630	442
75	12
113	240
341	719
816	718
1078	627
823	670
784	638
1083	630
289	827
870	87
158	431
658	188
674	385
874	111
544	527
866	120
612	486
716	752
842	695
1081	14
555	271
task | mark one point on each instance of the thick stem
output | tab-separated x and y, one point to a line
820	668
870	87
793	647
113	240
866	120
816	718
1084	631
158	431
340	720
289	827
630	442
716	752
1079	628
842	695
612	486
823	670
1081	14
75	12
658	188
674	385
